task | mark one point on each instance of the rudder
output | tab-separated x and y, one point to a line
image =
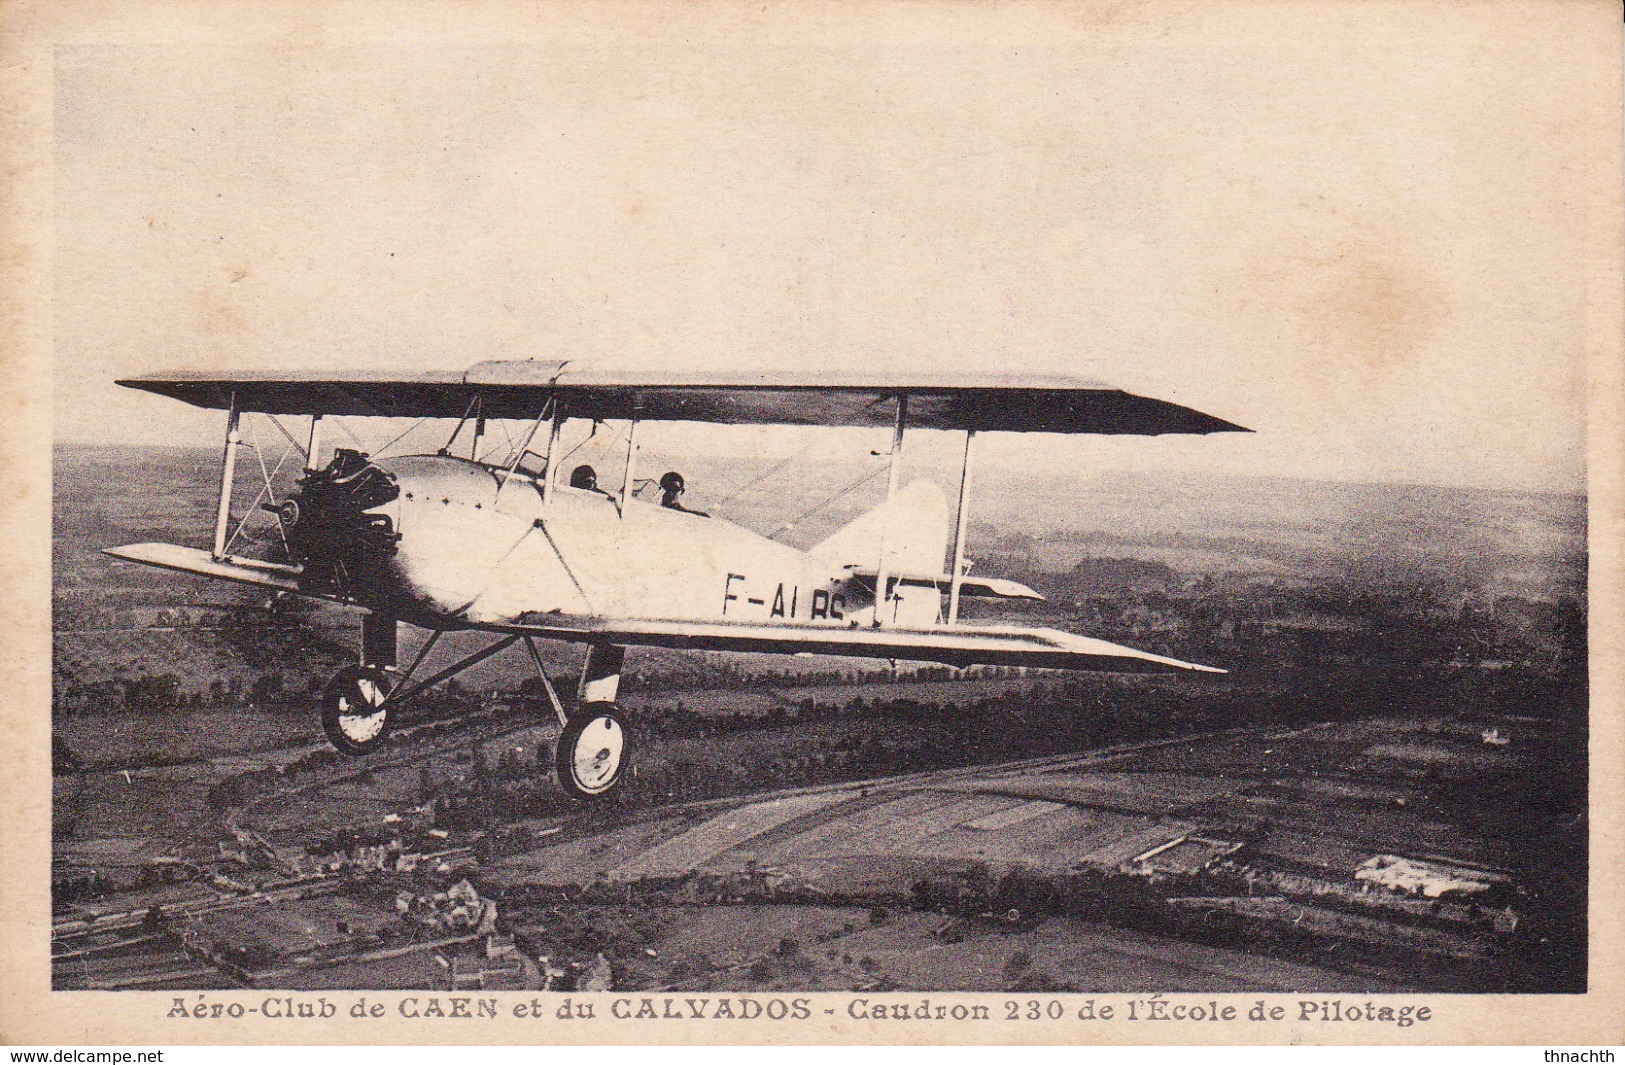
916	536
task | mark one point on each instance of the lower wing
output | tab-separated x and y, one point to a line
961	645
260	574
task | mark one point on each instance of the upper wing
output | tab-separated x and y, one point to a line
962	645
983	402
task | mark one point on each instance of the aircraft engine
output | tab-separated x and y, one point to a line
338	530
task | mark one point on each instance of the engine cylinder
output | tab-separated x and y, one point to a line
340	529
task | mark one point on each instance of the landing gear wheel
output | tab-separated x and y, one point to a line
591	755
353	712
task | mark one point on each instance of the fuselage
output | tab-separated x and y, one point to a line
478	546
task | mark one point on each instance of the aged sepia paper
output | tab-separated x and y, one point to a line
1384	238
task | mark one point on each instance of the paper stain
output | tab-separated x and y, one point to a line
1110	14
1375	308
1378	309
222	308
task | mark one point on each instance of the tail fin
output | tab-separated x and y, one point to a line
914	524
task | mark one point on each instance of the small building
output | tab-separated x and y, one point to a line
1415	877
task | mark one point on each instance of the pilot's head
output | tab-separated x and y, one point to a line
672	485
584	477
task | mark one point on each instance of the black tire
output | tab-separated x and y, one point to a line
592	752
349	732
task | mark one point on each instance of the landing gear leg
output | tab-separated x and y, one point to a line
595	746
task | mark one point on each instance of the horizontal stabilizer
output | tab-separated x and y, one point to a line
970	587
199	562
961	645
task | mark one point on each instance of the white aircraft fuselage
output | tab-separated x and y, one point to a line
479	546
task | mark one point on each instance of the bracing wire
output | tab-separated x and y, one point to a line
585	441
398	439
270	493
336	420
267	490
853	487
284	431
508	436
753	482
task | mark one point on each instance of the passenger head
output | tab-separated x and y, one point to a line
584	477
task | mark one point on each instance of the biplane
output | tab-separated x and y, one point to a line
451	541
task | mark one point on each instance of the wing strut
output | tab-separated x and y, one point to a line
631	455
550	473
228	470
311	465
551	406
457	430
957	574
882	592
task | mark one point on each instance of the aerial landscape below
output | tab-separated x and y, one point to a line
1387	791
